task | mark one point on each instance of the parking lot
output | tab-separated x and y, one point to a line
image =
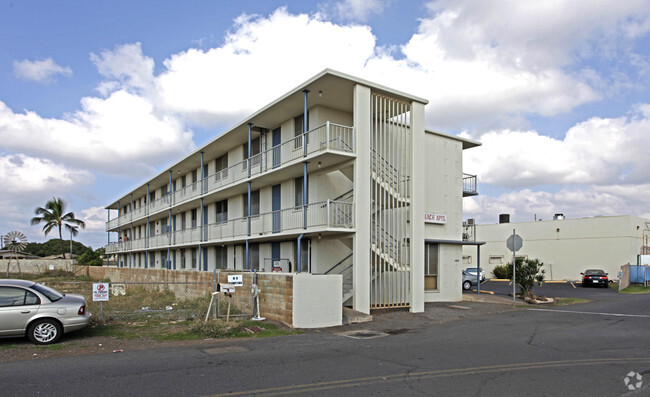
552	290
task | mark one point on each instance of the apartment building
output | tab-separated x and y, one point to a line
338	176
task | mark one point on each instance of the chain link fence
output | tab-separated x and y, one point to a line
138	301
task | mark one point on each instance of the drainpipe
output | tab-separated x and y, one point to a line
202	174
305	124
299	261
146	201
304	195
250	129
247	258
108	221
169	189
168	265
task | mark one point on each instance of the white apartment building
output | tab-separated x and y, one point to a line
338	176
567	247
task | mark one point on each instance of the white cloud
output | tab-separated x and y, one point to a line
126	64
43	71
21	174
598	151
116	135
95	219
359	10
261	59
574	202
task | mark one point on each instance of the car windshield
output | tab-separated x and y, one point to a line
51	294
594	271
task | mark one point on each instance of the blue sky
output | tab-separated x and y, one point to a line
96	97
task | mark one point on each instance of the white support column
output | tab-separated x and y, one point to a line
418	161
362	179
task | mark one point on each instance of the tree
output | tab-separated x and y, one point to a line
528	273
92	258
53	215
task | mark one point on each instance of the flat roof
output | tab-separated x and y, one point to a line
454	242
467	143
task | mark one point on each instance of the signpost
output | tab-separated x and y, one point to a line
100	294
514	244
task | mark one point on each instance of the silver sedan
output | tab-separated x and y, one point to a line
41	313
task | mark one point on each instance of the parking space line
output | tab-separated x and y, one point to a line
596	313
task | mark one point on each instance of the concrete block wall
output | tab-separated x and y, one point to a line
35	266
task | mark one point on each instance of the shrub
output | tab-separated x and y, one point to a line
502	271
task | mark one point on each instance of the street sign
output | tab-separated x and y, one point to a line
514	242
100	292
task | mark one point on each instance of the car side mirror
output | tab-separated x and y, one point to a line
606	274
582	274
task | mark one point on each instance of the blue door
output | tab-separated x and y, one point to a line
277	152
276	206
276	264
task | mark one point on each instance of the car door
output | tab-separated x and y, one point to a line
17	307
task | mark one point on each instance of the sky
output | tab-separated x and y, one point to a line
98	96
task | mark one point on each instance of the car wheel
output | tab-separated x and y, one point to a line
44	331
467	285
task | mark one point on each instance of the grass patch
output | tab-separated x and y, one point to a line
636	289
219	328
569	301
10	347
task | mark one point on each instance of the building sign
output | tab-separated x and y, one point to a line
237	280
100	292
435	218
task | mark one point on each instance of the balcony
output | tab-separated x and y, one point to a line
469	185
320	216
327	137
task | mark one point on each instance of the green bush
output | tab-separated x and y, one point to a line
503	271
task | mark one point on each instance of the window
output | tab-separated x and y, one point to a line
298	191
495	259
183	181
195	177
163	259
467	259
221	166
193	218
183	221
194	258
431	267
220	258
182	258
164	190
255	203
10	296
152	196
255	150
221	211
305	245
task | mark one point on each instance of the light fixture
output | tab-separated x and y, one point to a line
319	164
320	94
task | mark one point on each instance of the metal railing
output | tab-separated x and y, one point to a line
469	185
328	136
323	215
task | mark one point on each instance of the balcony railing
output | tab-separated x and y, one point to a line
328	136
469	185
322	215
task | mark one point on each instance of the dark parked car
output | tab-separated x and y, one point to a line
39	312
594	277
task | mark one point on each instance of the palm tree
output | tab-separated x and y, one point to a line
53	215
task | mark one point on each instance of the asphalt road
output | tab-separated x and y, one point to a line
452	349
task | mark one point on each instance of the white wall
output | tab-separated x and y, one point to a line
317	300
600	242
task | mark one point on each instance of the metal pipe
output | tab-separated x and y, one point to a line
299	260
478	269
305	124
202	174
304	195
248	161
246	257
